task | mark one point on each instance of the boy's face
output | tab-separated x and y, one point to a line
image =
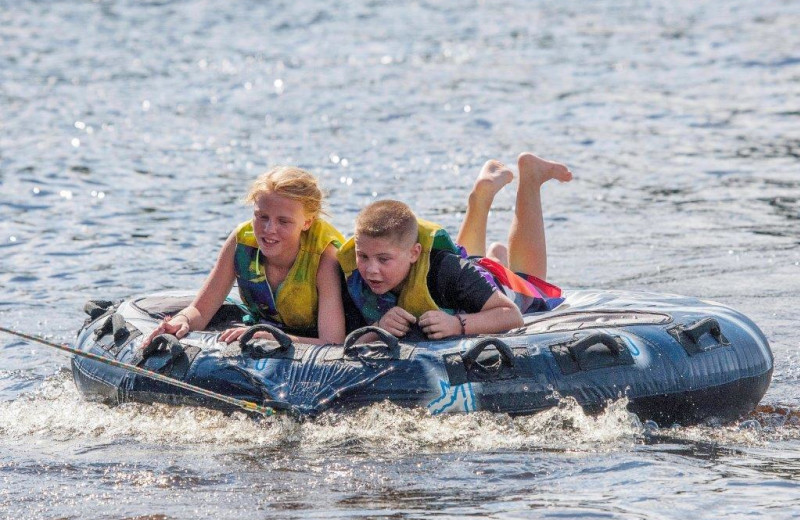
383	262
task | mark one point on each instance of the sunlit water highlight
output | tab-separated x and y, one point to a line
130	130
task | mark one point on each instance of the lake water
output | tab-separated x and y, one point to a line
129	131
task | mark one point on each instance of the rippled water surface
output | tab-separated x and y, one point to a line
129	132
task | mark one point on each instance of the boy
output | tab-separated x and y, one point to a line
402	271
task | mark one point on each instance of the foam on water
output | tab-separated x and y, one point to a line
400	430
56	411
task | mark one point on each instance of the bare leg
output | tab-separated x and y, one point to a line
526	240
498	252
472	235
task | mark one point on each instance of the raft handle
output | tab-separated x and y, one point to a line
579	355
582	345
116	325
470	357
283	339
705	326
119	327
689	336
161	343
96	308
103	329
387	338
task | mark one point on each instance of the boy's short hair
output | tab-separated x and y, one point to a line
388	219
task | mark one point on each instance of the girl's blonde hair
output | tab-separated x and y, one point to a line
290	182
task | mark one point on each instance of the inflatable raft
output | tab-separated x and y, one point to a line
676	360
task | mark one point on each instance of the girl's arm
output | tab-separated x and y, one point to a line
330	315
215	289
207	302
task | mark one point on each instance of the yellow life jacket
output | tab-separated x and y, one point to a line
415	297
295	302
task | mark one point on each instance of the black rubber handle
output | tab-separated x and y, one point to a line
470	357
704	326
96	308
162	343
350	341
600	338
283	339
103	329
119	327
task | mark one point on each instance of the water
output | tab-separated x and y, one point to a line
129	132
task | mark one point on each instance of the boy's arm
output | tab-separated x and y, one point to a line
458	284
499	314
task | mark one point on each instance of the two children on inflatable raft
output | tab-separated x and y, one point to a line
398	272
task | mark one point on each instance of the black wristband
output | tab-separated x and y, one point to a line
463	320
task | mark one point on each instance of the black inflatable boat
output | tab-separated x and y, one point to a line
676	359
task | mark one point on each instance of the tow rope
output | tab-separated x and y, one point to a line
249	406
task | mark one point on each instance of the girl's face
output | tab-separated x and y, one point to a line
277	223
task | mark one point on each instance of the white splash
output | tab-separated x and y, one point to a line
56	411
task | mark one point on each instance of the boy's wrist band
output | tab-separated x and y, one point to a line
463	321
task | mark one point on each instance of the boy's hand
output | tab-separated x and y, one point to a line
439	324
397	321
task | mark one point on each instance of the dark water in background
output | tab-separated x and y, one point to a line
130	130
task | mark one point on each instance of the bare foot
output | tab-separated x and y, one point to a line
540	170
493	176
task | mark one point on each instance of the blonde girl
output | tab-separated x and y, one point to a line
284	261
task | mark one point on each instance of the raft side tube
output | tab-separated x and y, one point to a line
598	347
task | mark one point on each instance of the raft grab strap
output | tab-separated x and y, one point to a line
103	329
386	337
96	308
476	365
161	343
371	354
689	336
257	350
114	333
119	327
471	356
581	354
